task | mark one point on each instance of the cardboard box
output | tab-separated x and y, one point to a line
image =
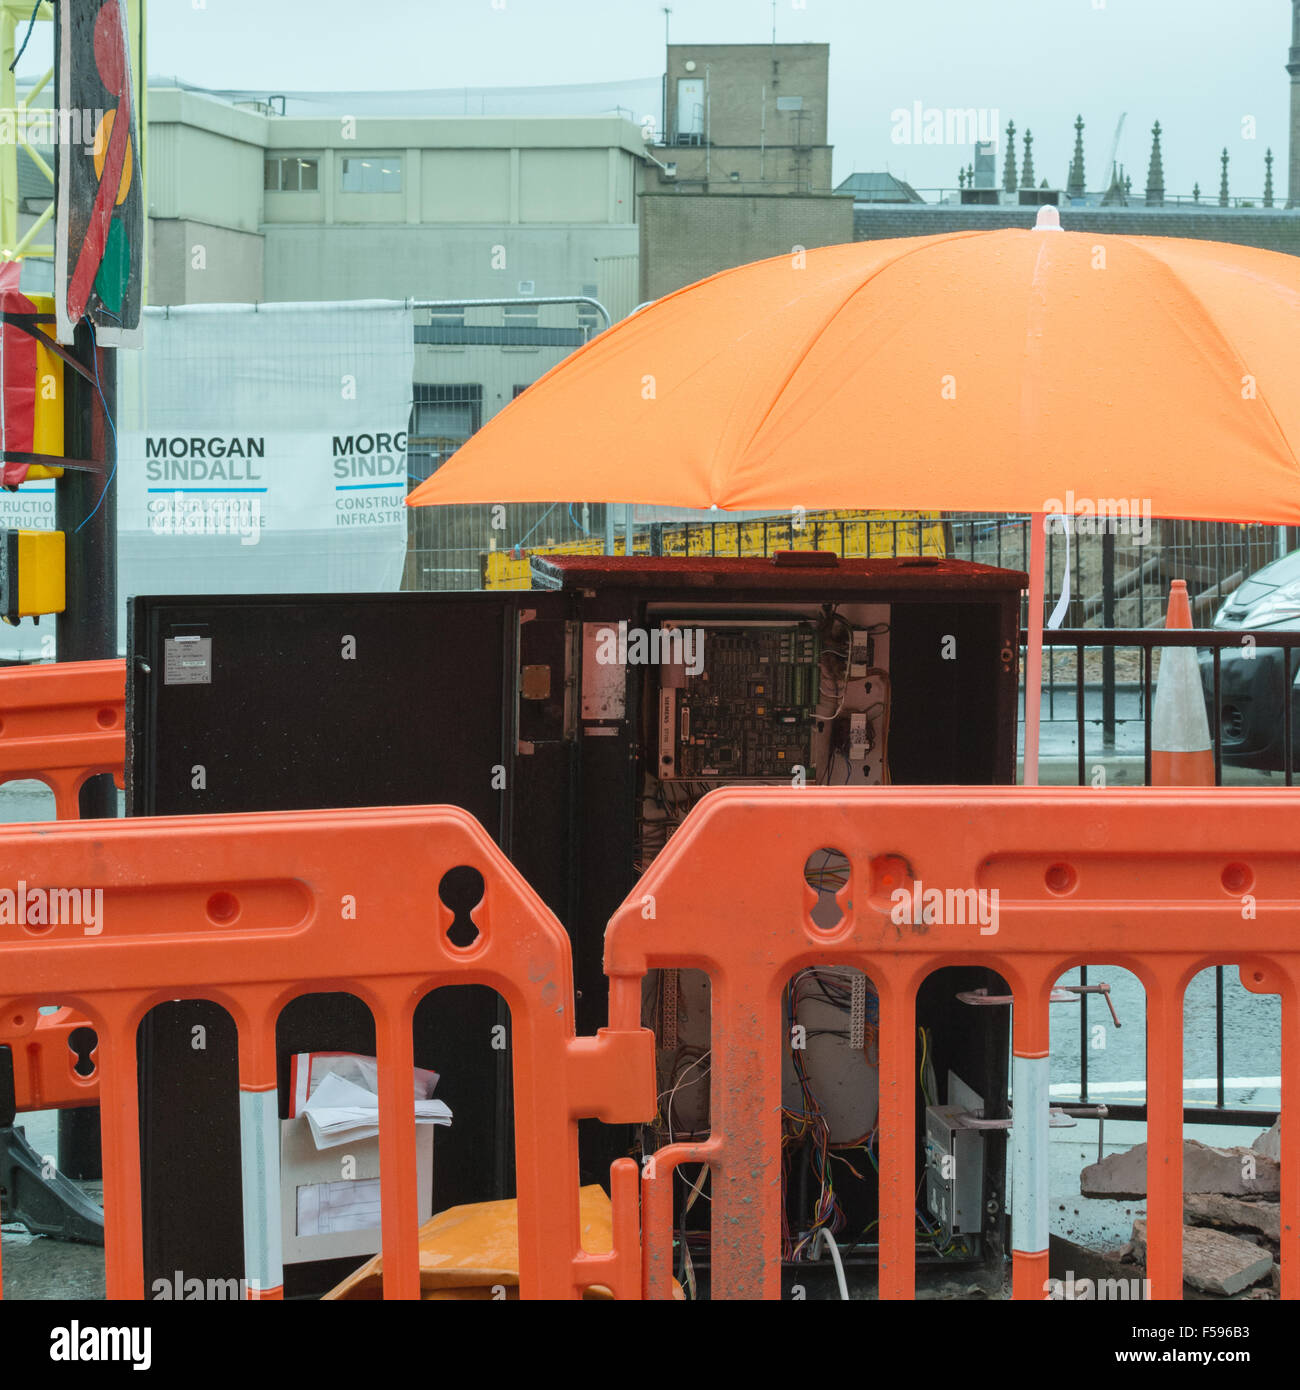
338	1215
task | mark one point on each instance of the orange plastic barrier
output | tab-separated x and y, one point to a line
61	724
1163	882
45	1064
251	911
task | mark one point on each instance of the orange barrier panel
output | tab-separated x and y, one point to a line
1163	882
61	724
45	1062
251	911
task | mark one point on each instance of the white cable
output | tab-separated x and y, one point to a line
821	1234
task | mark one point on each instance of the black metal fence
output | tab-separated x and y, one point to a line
1276	678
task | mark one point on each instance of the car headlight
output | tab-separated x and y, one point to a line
1281	605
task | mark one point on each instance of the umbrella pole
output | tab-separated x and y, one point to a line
1034	651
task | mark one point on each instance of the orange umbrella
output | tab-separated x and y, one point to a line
1013	371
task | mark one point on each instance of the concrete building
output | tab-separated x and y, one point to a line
746	118
685	238
249	205
742	170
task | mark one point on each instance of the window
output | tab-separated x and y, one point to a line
372	173
292	173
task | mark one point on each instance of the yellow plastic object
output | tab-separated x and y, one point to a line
31	574
472	1252
48	427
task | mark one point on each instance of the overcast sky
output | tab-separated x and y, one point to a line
1203	67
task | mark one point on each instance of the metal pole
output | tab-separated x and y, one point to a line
86	630
1108	651
513	299
1034	646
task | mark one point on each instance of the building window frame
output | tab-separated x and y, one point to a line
375	171
292	169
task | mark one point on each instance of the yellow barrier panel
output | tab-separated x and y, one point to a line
851	535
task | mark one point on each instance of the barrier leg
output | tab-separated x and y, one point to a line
745	1106
259	1148
400	1210
1290	1137
120	1115
1030	1133
1165	1130
897	1121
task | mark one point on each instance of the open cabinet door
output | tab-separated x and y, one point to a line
276	702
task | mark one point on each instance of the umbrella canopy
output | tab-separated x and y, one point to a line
974	371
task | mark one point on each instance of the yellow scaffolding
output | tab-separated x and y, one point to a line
13	113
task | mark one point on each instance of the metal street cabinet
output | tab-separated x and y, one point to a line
579	721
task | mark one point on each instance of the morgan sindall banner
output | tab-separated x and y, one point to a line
261	449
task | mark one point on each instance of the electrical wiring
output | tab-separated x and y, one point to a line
680	1078
94	357
808	1127
835	1259
27	37
826	879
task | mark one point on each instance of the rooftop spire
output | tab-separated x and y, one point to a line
1027	177
1223	179
1268	178
1009	167
1075	186
1155	172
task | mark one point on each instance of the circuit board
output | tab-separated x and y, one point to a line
748	712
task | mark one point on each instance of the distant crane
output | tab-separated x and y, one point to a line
1114	148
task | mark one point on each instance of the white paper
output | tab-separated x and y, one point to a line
339	1111
325	1208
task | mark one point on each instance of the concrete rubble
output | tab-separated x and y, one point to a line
1214	1261
1231	1213
1205	1169
1232	1217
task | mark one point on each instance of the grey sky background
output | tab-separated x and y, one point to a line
1201	66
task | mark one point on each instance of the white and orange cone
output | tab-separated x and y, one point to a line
1181	752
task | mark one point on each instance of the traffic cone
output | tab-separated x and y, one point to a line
1181	752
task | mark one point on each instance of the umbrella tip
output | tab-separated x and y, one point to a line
1049	219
